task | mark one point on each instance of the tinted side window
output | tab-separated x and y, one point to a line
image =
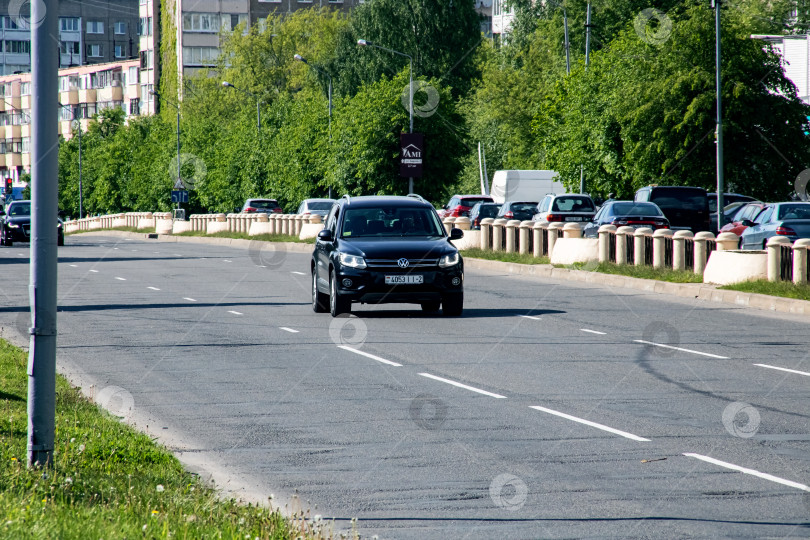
764	216
643	195
331	219
544	204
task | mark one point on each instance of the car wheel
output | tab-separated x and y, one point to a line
319	300
430	307
764	245
453	304
60	240
337	305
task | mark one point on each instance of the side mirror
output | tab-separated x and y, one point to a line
325	235
748	223
456	234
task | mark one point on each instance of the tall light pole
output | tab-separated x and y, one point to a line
328	76
720	187
367	43
226	84
179	177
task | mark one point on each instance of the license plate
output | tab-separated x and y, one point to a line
405	280
573	218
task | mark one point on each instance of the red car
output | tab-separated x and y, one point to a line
460	205
746	213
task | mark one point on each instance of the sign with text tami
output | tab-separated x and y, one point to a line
412	147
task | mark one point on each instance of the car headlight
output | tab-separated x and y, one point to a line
352	261
450	259
13	226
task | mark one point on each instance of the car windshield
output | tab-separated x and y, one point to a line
319	205
391	221
20	209
263	204
472	202
573	204
635	209
794	211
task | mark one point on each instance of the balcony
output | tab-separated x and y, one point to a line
110	93
25	102
71	97
25	130
87	96
26	160
13	132
2	160
13	160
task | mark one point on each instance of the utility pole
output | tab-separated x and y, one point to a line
44	209
567	44
720	186
587	62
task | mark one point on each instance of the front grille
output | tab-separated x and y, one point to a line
394	265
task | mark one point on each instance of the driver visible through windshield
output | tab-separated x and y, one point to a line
380	222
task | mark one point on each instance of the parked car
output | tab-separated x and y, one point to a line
522	210
626	214
385	249
567	207
744	214
320	207
481	211
791	219
15	224
460	205
268	206
728	198
686	208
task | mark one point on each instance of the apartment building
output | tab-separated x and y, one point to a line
795	53
89	33
83	92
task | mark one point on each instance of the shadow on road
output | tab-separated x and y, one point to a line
469	313
108	307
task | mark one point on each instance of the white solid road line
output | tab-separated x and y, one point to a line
680	349
299	273
290	330
594	332
367	355
592	424
530	317
784	369
189	299
235	312
752	472
120	278
153	288
454	383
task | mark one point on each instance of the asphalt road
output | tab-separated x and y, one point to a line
550	409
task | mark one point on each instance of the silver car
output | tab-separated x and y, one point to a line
791	219
320	207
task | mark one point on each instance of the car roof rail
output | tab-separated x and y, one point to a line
348	198
417	196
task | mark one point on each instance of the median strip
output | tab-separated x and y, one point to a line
680	349
367	355
589	423
454	383
744	470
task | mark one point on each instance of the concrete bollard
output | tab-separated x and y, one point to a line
621	243
523	236
511	237
640	245
538	236
800	248
486	233
572	230
605	231
679	249
774	248
462	223
660	247
448	223
497	234
553	234
727	241
701	251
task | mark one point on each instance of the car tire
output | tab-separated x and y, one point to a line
431	307
320	301
60	240
453	304
337	305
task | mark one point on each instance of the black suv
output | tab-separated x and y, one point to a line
385	249
15	224
686	208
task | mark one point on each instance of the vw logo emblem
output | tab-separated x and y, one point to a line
403	263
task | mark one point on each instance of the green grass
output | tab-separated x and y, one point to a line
125	229
477	253
785	289
109	481
643	272
245	236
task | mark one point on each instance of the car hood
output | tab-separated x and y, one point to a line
420	247
18	220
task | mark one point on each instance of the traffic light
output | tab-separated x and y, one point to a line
8	186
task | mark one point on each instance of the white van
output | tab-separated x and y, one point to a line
525	185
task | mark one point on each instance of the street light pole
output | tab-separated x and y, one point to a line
329	93
226	84
720	186
367	43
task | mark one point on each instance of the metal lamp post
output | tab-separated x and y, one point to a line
226	84
328	76
366	43
720	186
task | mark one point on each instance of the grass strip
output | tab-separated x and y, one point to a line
477	253
110	481
245	236
643	272
784	289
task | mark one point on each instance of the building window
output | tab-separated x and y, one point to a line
145	26
68	24
10	24
25	88
120	28
69	47
95	27
26	145
132	78
94	50
134	106
201	22
18	47
120	52
146	93
146	59
198	56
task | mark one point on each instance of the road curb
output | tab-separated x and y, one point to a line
699	291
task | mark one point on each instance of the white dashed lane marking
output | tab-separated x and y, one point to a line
189	299
680	349
120	278
94	271
73	265
290	330
367	355
460	385
752	472
598	333
299	273
153	288
784	369
589	423
235	312
530	317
